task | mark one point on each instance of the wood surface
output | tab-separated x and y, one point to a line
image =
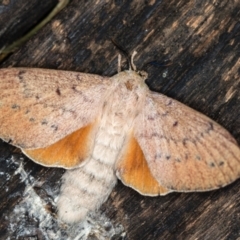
201	39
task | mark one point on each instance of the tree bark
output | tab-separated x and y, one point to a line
202	41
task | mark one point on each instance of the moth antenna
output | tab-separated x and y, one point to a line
119	62
132	66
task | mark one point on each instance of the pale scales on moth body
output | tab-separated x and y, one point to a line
108	128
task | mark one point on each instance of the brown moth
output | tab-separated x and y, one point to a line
104	128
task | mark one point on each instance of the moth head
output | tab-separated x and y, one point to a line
133	80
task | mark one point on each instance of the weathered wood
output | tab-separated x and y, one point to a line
18	17
202	40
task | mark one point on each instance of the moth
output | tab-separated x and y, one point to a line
104	128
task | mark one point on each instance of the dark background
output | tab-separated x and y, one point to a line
201	38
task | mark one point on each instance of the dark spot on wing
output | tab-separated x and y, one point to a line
175	124
154	134
58	92
150	118
157	155
171	187
211	126
91	177
168	157
27	111
20	74
184	142
198	157
55	127
75	89
164	114
44	122
15	106
169	103
221	163
212	164
31	119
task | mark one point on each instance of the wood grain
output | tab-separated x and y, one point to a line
201	38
